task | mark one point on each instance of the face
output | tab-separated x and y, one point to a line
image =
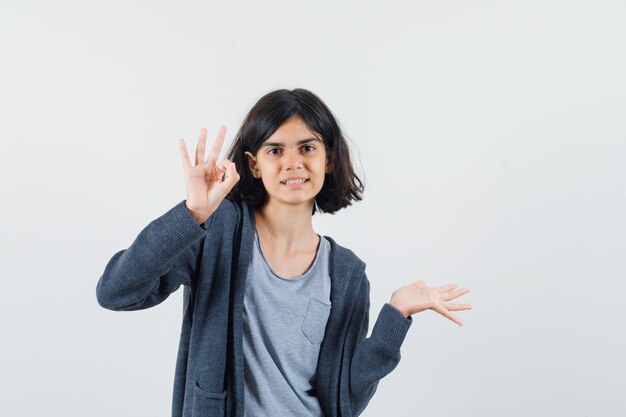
291	163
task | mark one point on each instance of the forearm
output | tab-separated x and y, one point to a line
376	356
135	273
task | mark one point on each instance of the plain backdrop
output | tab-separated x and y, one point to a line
491	137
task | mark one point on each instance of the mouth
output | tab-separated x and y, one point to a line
295	182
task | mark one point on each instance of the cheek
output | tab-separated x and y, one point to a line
319	181
268	170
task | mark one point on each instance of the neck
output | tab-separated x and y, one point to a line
289	227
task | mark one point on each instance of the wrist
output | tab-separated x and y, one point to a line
399	308
199	216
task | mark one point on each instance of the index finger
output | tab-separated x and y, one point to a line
217	146
448	287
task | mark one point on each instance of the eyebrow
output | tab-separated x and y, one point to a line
300	142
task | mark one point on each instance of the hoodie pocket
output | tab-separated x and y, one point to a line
208	404
315	319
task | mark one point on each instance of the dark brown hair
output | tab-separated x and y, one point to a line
341	185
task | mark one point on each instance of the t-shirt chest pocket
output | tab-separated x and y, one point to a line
315	319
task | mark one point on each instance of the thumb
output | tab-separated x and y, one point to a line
419	284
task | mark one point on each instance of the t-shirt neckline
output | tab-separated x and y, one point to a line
297	277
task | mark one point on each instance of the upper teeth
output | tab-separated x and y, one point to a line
300	181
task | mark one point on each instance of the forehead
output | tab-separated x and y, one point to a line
293	131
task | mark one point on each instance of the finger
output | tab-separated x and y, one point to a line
217	146
456	294
448	287
419	284
231	177
200	147
444	312
457	307
183	153
221	170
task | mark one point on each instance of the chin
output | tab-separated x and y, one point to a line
295	200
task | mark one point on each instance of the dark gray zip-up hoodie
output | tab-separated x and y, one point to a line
211	262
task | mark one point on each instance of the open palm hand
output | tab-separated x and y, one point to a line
418	297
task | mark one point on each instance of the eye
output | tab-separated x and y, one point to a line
273	149
309	146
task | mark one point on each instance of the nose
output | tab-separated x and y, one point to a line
293	160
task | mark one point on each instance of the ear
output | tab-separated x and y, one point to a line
329	164
253	165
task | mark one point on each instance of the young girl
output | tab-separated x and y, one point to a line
275	315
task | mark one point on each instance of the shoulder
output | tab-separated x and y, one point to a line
344	256
350	276
227	214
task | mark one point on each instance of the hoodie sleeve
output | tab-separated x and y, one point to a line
163	256
375	356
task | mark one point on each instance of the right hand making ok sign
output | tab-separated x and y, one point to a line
208	182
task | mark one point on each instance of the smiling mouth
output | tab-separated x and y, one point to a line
292	182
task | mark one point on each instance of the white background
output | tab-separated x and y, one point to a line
491	136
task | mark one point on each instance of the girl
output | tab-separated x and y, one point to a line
275	315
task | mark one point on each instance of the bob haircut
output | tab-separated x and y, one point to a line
341	185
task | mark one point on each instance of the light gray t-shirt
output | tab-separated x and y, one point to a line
284	324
